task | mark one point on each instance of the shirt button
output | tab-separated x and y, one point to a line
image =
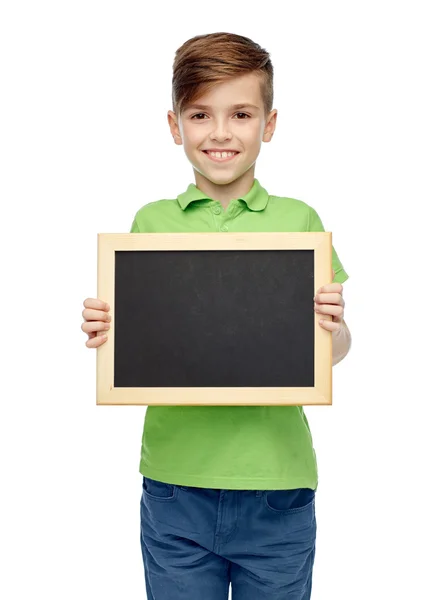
217	210
224	228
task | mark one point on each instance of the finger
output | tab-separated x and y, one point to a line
330	325
328	298
90	314
330	309
91	326
96	341
96	303
331	287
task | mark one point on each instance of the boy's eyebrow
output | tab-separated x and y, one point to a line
234	106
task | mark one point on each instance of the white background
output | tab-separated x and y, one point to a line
86	86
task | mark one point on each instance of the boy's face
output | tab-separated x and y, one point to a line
215	123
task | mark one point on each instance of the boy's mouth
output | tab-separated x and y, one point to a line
224	156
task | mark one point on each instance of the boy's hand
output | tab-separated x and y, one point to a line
96	321
329	301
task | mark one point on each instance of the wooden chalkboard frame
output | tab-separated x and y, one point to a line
110	243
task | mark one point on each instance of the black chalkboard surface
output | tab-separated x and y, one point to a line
214	319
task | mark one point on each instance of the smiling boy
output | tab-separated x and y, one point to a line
228	491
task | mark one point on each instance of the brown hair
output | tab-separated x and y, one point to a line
205	60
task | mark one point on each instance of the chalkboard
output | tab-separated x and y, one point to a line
214	319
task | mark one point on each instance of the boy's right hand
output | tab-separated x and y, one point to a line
96	321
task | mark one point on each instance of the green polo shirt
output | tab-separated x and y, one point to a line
230	447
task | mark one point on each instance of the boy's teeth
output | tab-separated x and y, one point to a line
222	154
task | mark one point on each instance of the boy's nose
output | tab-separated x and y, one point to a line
220	132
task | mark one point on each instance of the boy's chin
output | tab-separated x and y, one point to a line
218	178
225	180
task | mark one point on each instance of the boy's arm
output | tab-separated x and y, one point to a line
341	343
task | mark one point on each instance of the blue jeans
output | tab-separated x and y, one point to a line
197	541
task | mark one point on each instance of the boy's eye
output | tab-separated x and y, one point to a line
204	114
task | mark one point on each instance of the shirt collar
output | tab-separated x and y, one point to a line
256	198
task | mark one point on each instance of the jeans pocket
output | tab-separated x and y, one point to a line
286	502
158	491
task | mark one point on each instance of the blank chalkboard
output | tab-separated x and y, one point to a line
214	319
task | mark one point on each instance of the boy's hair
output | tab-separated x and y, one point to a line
206	60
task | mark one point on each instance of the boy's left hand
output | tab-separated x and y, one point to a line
329	301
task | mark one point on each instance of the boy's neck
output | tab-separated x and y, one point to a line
229	191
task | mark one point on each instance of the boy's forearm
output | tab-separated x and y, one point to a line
341	343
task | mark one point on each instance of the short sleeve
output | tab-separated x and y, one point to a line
315	224
134	226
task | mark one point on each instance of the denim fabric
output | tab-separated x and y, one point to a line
196	542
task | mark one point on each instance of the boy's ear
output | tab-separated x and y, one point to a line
174	127
270	125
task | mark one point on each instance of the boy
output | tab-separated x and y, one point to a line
228	491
